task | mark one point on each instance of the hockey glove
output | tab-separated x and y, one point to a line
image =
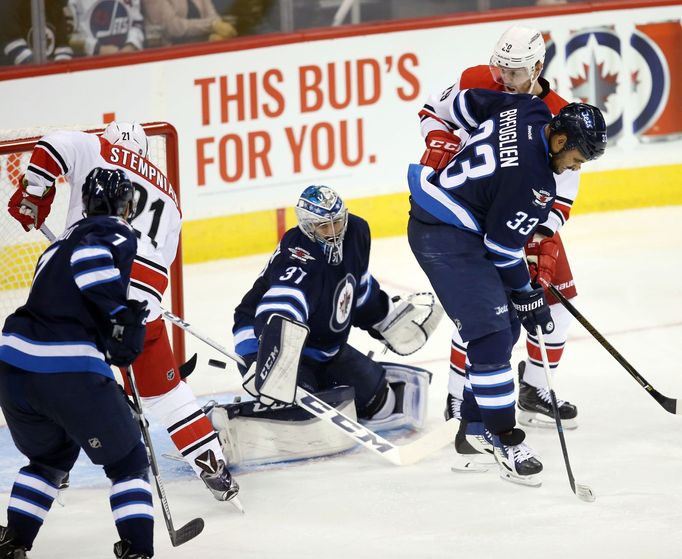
441	147
127	334
273	377
30	210
409	323
533	310
542	254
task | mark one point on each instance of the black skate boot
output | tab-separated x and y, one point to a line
535	406
218	479
474	447
517	461
122	551
8	549
453	408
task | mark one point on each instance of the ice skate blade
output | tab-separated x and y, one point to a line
470	464
236	503
533	419
529	481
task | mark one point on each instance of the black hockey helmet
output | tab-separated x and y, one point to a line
585	127
108	192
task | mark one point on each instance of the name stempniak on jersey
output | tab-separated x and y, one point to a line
143	167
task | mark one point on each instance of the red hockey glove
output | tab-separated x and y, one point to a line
542	254
441	147
29	210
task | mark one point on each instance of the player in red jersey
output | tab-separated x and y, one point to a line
515	67
157	221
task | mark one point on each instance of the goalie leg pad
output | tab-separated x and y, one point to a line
408	326
252	434
279	354
410	386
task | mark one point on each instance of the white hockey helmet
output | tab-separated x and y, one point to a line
515	58
130	135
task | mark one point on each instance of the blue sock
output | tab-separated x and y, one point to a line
30	501
131	504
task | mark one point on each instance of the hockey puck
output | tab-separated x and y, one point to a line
216	363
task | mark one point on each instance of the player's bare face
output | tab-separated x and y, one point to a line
567	159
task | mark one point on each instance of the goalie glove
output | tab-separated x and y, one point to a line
273	376
409	322
30	210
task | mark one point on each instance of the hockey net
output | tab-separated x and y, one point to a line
20	250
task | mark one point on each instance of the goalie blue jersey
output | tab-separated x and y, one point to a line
299	283
500	186
79	282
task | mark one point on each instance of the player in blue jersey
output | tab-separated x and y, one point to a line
468	225
293	324
57	389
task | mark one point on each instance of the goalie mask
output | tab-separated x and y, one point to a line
130	135
514	63
323	217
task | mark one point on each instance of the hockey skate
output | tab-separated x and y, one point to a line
535	406
453	408
218	479
516	460
122	551
474	448
8	550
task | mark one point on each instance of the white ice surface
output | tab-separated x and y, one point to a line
627	267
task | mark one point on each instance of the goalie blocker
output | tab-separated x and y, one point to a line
252	433
272	377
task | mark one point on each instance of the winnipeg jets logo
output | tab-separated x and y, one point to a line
300	254
542	198
343	304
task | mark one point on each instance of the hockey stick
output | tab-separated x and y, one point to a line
194	527
583	492
45	230
668	404
400	455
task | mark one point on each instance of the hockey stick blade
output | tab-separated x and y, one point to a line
668	404
584	492
187	532
187	368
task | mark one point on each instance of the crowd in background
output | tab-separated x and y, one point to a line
94	27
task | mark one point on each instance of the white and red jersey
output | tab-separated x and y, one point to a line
435	115
157	220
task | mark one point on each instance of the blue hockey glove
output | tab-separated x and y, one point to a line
127	334
533	310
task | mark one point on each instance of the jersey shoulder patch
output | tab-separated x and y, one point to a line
300	254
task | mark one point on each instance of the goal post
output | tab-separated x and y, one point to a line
20	250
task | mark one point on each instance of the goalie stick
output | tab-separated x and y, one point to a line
668	404
400	455
194	527
582	491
